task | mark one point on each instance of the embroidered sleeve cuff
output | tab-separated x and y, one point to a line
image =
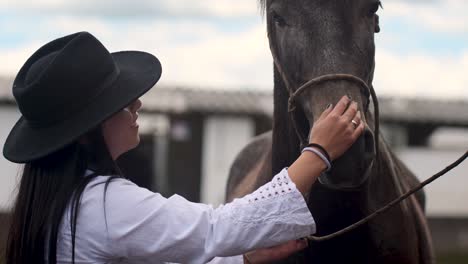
278	202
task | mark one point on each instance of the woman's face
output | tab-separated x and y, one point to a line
121	130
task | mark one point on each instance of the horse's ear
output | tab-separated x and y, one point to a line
377	24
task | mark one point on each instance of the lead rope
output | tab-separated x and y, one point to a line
390	205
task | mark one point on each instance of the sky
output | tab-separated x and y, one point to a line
422	50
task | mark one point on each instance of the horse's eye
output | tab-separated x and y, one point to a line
278	20
374	8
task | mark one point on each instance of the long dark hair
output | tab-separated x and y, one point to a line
47	187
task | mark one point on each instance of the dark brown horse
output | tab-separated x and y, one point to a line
312	38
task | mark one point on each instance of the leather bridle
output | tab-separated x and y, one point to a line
367	90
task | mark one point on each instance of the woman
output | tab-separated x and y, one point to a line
79	108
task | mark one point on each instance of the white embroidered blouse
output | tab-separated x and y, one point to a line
138	226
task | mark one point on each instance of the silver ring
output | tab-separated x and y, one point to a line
355	124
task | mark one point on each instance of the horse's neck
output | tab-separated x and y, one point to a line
385	184
284	148
285	144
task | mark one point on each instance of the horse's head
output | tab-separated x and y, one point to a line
312	38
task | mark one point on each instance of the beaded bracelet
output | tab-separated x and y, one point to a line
320	154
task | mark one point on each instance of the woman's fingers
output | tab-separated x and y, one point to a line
338	128
356	120
351	112
341	109
327	111
358	131
341	106
358	126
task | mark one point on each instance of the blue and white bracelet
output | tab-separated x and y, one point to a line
320	154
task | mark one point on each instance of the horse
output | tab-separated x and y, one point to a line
331	42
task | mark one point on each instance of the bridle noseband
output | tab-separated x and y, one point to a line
365	89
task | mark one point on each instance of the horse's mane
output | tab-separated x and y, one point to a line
263	4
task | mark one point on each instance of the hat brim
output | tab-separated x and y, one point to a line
139	72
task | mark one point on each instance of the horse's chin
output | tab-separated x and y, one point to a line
349	172
333	180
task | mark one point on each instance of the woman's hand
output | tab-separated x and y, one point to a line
335	130
272	254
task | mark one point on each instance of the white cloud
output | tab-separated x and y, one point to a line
199	53
240	60
13	58
216	58
421	75
60	26
223	8
217	8
439	16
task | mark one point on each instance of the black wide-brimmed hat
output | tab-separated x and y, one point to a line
68	87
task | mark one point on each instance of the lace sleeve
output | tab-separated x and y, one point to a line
280	185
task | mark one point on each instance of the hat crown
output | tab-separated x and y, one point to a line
62	77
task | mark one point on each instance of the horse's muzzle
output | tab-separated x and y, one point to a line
351	171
